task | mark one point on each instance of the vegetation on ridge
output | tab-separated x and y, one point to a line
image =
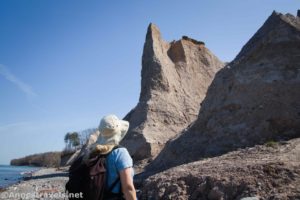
48	159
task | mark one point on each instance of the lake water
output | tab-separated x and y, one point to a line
12	174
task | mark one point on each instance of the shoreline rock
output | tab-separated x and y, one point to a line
44	181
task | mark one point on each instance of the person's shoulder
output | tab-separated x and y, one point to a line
122	158
120	150
121	153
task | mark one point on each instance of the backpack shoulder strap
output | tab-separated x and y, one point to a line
117	147
114	184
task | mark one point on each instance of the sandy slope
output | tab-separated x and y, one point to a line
270	171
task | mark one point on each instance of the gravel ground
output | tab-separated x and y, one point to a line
47	183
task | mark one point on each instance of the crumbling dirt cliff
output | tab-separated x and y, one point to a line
252	100
175	78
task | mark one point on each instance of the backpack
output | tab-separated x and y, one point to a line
89	178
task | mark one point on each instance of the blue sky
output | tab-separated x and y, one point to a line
66	63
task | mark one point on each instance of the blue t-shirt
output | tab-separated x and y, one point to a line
116	161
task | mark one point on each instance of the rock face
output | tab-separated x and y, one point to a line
254	99
269	171
175	78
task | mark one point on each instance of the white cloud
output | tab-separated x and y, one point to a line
24	87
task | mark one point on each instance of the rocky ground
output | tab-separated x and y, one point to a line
47	183
270	171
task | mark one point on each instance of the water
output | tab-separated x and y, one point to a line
12	174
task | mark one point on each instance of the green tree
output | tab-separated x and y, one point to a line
72	140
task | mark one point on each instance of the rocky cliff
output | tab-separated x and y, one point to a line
175	78
254	99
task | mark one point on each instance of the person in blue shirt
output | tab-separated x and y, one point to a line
119	164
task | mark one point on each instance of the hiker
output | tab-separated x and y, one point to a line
104	171
119	164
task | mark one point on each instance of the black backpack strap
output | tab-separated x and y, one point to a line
114	184
116	147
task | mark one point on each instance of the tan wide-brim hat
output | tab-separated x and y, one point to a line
112	130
